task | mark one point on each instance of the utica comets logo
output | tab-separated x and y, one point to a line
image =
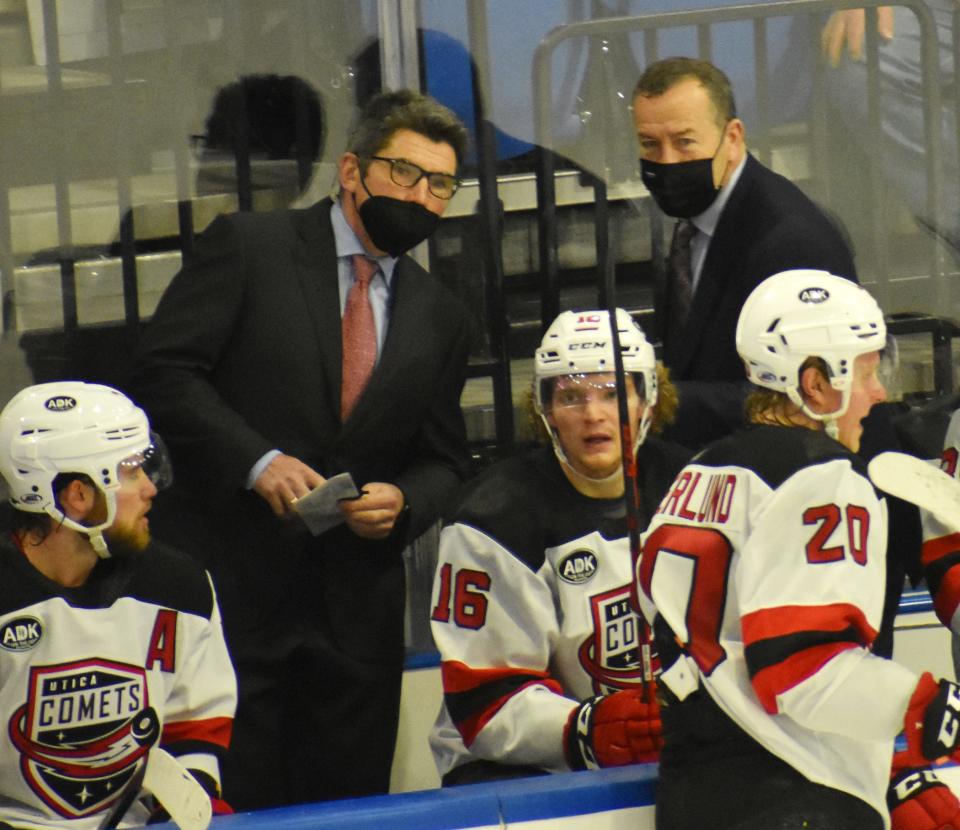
611	654
83	733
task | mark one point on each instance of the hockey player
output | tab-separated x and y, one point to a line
763	573
540	649
941	547
108	645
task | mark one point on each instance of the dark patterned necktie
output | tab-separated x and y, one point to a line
359	335
680	277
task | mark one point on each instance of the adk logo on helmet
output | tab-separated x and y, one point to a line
814	295
20	634
60	403
578	567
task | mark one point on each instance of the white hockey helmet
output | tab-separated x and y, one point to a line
74	427
580	343
795	315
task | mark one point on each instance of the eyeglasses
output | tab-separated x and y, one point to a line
407	174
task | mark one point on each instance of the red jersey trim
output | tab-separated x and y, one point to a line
784	620
775	680
935	549
774	623
216	731
459	677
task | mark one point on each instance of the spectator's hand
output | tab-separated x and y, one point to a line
847	28
374	514
285	479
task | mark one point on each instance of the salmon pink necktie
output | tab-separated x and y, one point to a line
359	335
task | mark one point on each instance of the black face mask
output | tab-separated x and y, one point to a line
683	189
394	225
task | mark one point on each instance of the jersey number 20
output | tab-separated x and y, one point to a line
706	554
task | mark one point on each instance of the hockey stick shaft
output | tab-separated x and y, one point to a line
631	490
128	795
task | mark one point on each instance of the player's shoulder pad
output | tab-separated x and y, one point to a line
512	502
162	575
774	453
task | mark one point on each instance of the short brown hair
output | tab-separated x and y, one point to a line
667	73
404	109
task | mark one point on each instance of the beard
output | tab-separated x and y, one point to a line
127	539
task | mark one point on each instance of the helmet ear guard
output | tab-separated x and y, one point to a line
77	428
803	313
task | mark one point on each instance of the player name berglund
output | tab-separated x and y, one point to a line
697	498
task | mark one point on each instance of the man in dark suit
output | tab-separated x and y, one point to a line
243	370
739	223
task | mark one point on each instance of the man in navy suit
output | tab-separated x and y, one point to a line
242	369
745	223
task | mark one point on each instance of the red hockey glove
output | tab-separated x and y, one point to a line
932	723
918	800
613	730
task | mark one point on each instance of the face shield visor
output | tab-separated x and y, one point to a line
888	370
581	390
154	460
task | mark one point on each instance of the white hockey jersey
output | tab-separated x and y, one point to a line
767	561
531	609
941	544
79	666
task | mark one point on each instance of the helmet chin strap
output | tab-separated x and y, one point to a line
99	544
95	533
828	419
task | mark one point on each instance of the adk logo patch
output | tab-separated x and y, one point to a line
814	295
20	634
578	567
61	403
611	654
83	732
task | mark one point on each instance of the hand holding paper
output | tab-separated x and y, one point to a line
319	509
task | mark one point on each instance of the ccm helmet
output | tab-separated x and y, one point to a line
579	343
798	314
73	427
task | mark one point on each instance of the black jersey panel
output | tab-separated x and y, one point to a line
157	575
775	453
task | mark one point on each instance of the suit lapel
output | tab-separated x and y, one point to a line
315	259
716	270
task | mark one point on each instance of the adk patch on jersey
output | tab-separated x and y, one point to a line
20	634
578	567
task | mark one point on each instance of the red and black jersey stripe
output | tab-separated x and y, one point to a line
474	696
208	735
940	556
784	646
